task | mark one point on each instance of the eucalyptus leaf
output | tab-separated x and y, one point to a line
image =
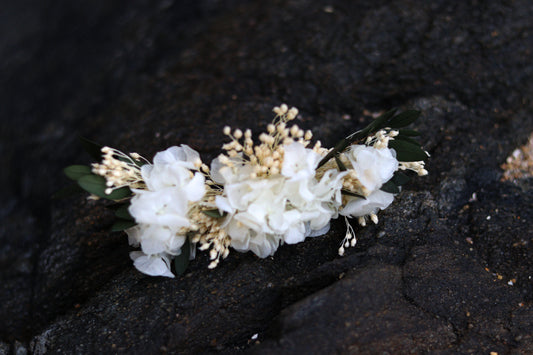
407	139
121	224
124	213
408	132
400	178
94	149
404	119
381	121
74	172
339	148
390	187
407	152
214	213
182	261
349	193
96	185
340	164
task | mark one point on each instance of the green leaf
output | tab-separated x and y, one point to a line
214	213
349	193
406	151
96	185
121	224
122	212
381	121
182	261
407	139
390	187
74	172
339	148
400	178
404	119
67	191
94	149
409	132
340	164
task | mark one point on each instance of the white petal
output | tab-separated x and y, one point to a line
295	234
358	207
195	189
153	265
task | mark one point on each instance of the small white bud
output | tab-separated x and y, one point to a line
374	218
237	133
294	130
293	112
341	251
227	130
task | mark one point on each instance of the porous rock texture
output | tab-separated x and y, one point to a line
449	267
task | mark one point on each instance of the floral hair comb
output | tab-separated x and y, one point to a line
255	196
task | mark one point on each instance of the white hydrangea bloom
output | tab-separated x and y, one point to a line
166	207
155	239
285	207
316	212
255	208
299	163
374	167
161	211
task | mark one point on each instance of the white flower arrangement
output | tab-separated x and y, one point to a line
253	197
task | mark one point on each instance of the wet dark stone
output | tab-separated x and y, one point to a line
447	269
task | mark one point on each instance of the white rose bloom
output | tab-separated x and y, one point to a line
153	265
359	207
374	167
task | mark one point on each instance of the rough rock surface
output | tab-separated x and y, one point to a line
449	267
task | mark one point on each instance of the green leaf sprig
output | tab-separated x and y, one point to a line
94	184
407	148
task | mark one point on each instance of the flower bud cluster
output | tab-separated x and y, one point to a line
266	158
119	169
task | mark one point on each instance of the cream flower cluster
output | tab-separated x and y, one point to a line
255	196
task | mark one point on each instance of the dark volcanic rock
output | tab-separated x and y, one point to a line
448	268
